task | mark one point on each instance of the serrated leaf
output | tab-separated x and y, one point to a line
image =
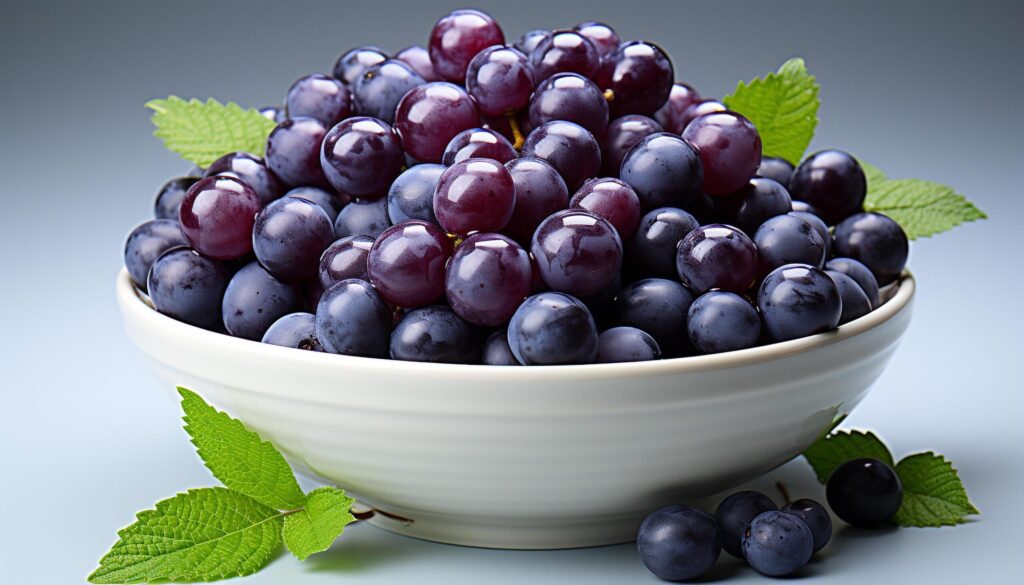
922	208
828	453
316	527
201	535
204	131
933	494
784	108
873	174
238	457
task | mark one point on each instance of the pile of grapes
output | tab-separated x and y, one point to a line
560	200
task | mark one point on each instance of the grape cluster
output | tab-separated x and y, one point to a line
557	200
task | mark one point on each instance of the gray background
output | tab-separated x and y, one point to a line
922	89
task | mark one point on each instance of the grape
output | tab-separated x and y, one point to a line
362	218
500	79
352	63
604	37
833	182
611	199
664	171
406	263
457	38
476	194
734	514
351	319
255	299
362	156
571	97
703	208
487	279
344	259
378	90
698	109
217	216
577	252
678	543
859	273
552	328
777	543
602	303
251	170
876	241
776	169
804	207
565	51
188	287
320	97
296	330
671	115
816	517
855	300
756	202
168	199
503	126
434	334
569	147
411	196
529	40
729	148
819	226
540	191
864	492
293	152
330	202
722	321
652	251
478	143
273	113
785	239
717	256
289	236
623	134
496	351
658	307
418	58
430	115
639	75
626	344
797	300
146	243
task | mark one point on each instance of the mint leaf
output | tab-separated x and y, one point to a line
783	106
201	535
828	453
323	519
204	131
922	208
238	457
933	494
873	174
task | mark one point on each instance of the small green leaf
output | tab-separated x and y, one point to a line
202	535
873	174
922	208
784	108
933	494
238	457
828	453
323	519
204	131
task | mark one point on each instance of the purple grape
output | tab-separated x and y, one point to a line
571	97
626	344
487	279
362	156
529	40
722	321
776	169
639	76
503	126
540	191
168	199
797	300
411	196
569	147
756	202
664	171
717	256
623	134
474	195
418	58
859	273
833	182
613	200
698	109
864	492
217	216
293	152
430	115
407	262
320	97
652	250
496	351
729	148
362	218
345	259
297	330
378	90
329	201
552	328
254	299
804	206
577	252
785	239
457	38
815	516
565	51
146	243
352	63
876	241
251	170
434	334
289	236
352	319
188	287
855	301
672	115
734	514
659	307
478	143
819	226
273	113
500	79
604	37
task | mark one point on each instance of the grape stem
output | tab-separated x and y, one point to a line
784	491
517	133
361	515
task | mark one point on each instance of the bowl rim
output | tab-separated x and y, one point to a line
134	307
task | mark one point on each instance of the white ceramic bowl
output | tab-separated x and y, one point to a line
535	457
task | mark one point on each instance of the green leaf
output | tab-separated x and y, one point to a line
922	208
933	494
828	453
873	174
238	457
323	519
204	131
783	106
201	535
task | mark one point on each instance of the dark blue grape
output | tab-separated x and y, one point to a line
572	97
329	201
626	344
352	319
434	334
188	287
418	58
552	328
876	241
864	492
577	252
496	351
564	51
362	156
363	218
816	517
168	199
777	544
345	259
255	299
734	514
652	250
296	330
785	239
146	243
529	40
540	191
717	256
722	321
273	113
860	273
378	90
833	182
804	206
569	147
290	235
678	543
622	135
751	206
351	64
797	300
411	196
319	96
776	169
293	152
659	307
855	300
487	278
664	171
819	226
